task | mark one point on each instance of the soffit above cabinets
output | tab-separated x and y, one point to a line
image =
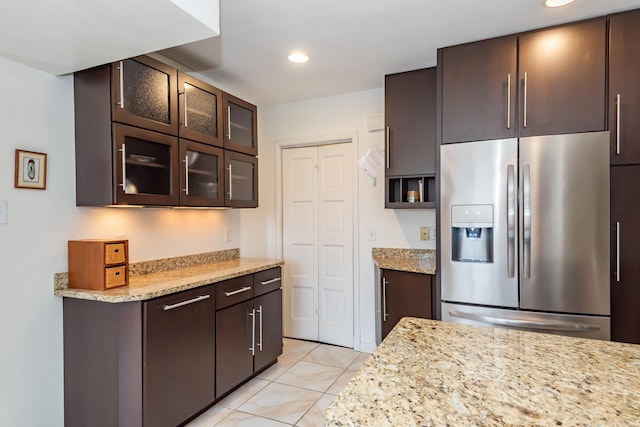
63	36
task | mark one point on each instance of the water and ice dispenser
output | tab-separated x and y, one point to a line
472	233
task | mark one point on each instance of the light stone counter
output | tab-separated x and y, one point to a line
431	373
151	279
412	260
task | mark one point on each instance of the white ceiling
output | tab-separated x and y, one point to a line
62	36
352	43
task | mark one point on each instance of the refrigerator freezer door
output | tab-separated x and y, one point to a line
480	174
564	219
596	327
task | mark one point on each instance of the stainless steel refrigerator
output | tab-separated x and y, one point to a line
525	233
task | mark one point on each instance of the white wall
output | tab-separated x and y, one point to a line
319	120
36	113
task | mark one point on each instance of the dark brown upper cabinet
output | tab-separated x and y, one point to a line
241	180
624	87
479	86
410	117
562	79
559	86
201	174
240	125
200	110
144	94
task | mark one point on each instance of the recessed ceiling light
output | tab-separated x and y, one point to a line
298	57
556	3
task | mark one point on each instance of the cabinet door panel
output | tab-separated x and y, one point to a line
240	132
410	116
234	339
404	294
201	172
479	85
144	93
269	329
241	180
624	67
146	171
200	110
625	292
562	79
179	350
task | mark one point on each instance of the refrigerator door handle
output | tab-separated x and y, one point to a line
511	220
550	325
526	226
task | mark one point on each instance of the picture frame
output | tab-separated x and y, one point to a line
31	170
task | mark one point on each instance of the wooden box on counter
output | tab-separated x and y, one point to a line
98	264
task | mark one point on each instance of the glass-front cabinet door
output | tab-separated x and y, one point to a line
241	180
200	110
240	132
201	169
145	165
144	94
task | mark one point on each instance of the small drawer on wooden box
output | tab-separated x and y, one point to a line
98	264
114	253
115	276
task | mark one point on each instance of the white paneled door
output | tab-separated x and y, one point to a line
318	243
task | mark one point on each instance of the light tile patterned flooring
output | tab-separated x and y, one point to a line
293	392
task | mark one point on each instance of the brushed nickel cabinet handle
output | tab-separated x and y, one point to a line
388	147
618	107
186	115
268	282
123	150
384	299
260	328
253	332
618	252
230	183
121	73
187	302
525	99
229	122
509	101
238	291
186	175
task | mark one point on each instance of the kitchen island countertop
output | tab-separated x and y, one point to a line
431	373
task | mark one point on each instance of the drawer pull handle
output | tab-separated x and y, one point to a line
116	250
187	302
268	282
238	291
117	273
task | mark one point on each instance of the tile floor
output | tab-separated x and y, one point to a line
293	392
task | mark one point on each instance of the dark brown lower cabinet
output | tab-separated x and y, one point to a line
625	245
157	362
248	338
234	361
178	348
269	317
143	363
404	294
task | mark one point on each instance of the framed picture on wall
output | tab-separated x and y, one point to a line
31	170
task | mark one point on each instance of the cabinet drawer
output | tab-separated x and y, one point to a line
267	281
233	291
114	253
115	276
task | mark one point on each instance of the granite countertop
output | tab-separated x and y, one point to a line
412	260
431	373
152	279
